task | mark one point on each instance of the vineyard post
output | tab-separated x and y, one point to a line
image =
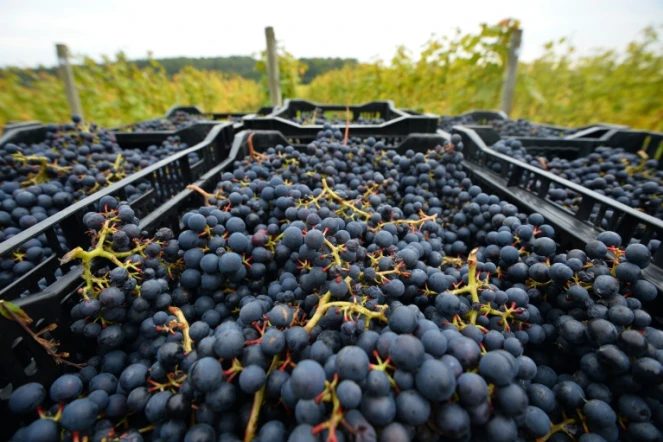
510	74
67	76
273	77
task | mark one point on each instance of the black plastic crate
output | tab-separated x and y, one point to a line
572	148
485	117
24	361
634	140
529	187
166	178
395	121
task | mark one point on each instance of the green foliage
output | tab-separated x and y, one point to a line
118	91
465	72
318	66
241	65
450	76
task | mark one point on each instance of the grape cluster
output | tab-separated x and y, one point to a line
73	161
349	292
507	128
524	128
320	117
180	120
630	178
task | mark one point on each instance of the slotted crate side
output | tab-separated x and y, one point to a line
17	124
594	210
381	109
167	178
572	148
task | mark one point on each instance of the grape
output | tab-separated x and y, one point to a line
498	367
42	430
66	388
99	397
229	344
206	374
252	378
352	364
569	394
435	381
537	423
407	352
349	394
378	410
79	415
273	342
134	376
308	379
634	408
200	432
155	408
292	238
412	408
511	400
601	331
26	398
230	263
453	420
472	389
377	383
402	320
223	398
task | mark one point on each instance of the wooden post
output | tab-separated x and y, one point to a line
67	76
510	74
273	77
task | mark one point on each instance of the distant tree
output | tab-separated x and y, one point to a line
317	66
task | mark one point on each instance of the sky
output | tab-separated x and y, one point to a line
29	29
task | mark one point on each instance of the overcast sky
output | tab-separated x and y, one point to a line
313	28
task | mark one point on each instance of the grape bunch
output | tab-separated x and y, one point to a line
629	178
73	161
524	128
507	128
349	292
180	120
320	117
